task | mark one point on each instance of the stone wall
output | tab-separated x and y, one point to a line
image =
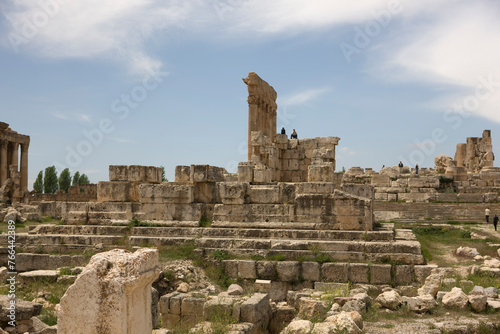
289	160
78	193
476	153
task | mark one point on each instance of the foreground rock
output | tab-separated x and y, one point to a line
112	295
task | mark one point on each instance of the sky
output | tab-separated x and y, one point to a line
158	82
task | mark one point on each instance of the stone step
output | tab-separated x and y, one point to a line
176	230
409	247
23	239
335	256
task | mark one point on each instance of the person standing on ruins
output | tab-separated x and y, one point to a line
283	131
484	199
495	222
400	167
416	169
294	135
487	214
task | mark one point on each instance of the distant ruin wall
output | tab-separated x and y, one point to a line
476	153
78	193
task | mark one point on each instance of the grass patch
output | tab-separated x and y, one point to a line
440	240
205	222
484	279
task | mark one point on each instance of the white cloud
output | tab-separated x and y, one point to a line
92	28
346	151
59	115
303	97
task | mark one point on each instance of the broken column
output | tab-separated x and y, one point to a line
262	108
112	295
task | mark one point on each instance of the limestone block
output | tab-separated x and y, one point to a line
247	269
311	308
245	172
262	174
420	304
478	302
267	194
311	271
116	288
288	271
456	298
360	190
38	275
320	172
281	315
326	188
232	192
266	270
279	290
421	272
193	306
256	309
324	154
116	191
168	192
380	273
262	285
118	173
182	174
381	180
220	306
335	272
381	196
24	310
344	322
389	299
403	274
392	197
299	327
358	273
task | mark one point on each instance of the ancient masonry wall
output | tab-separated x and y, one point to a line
476	153
78	193
203	191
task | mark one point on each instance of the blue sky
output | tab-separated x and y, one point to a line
156	82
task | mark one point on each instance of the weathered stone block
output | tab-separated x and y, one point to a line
311	271
262	285
266	270
380	273
182	174
288	271
358	272
232	192
403	274
268	194
190	305
116	191
125	307
279	290
335	272
247	269
320	172
262	174
256	309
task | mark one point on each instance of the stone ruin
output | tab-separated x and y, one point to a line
476	153
112	295
13	170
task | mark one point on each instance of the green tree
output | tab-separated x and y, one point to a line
76	178
65	180
83	179
163	178
38	185
50	182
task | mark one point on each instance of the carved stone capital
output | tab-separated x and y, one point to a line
252	99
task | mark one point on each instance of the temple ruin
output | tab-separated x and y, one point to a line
476	153
13	169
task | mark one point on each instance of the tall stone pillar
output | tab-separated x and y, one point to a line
253	121
14	160
24	167
3	162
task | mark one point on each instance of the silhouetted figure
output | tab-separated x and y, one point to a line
495	221
283	131
416	169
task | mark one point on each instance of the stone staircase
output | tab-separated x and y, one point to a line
291	240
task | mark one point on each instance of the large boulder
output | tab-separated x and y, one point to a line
431	285
478	302
112	294
344	323
420	304
12	214
392	172
443	161
456	298
467	252
389	299
298	327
